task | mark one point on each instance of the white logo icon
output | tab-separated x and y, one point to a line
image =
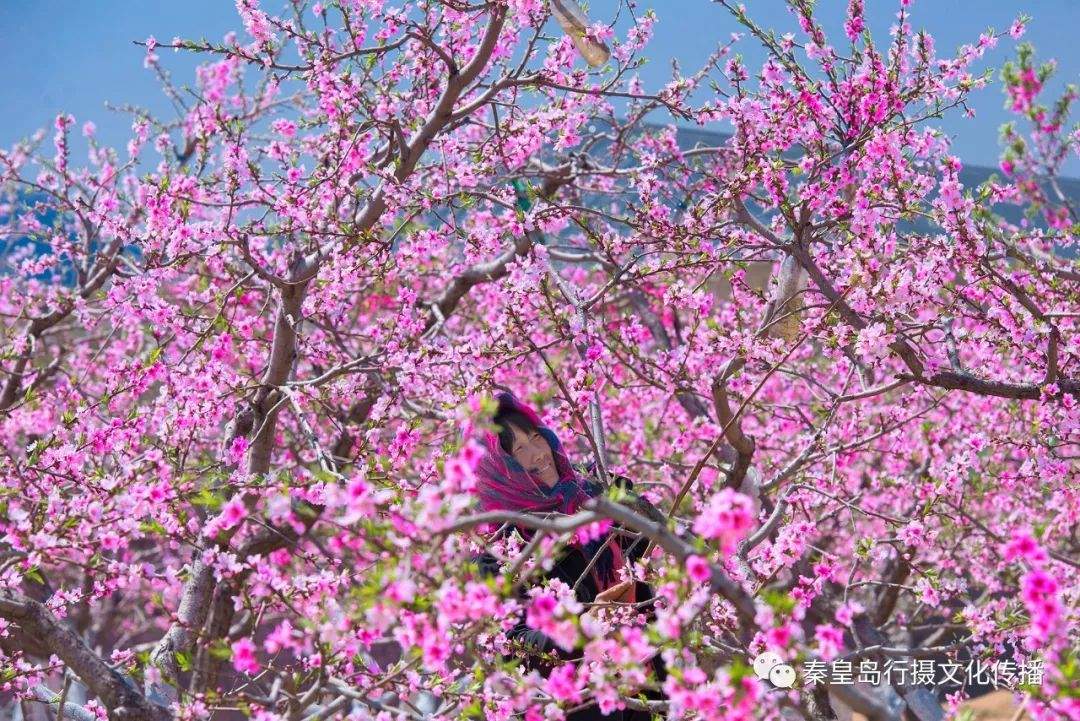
770	667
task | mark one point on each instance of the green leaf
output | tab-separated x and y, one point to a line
35	452
738	671
152	527
207	498
473	710
779	601
220	650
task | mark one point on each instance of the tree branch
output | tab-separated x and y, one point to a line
122	699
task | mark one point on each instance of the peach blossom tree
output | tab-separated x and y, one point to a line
244	360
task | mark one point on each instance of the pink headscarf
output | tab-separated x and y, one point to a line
503	484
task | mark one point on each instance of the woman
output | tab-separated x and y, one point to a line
525	469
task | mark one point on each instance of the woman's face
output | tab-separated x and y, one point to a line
534	454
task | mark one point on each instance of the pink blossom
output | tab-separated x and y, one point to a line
238	448
233	512
284	127
846	612
459	475
913	534
541	611
592	531
280	638
698	569
222	351
562	683
564	633
243	656
1022	546
830	640
779	637
873	341
435	648
927	593
853	26
151	57
1039	591
727	516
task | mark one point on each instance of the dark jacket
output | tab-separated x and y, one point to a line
539	651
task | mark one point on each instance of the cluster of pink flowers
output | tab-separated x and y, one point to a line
1039	589
727	517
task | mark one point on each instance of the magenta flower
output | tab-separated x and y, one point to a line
238	448
845	612
727	517
243	656
541	612
280	638
562	683
830	640
435	648
1022	546
913	534
594	530
1039	591
233	512
698	569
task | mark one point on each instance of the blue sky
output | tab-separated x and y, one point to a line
73	56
